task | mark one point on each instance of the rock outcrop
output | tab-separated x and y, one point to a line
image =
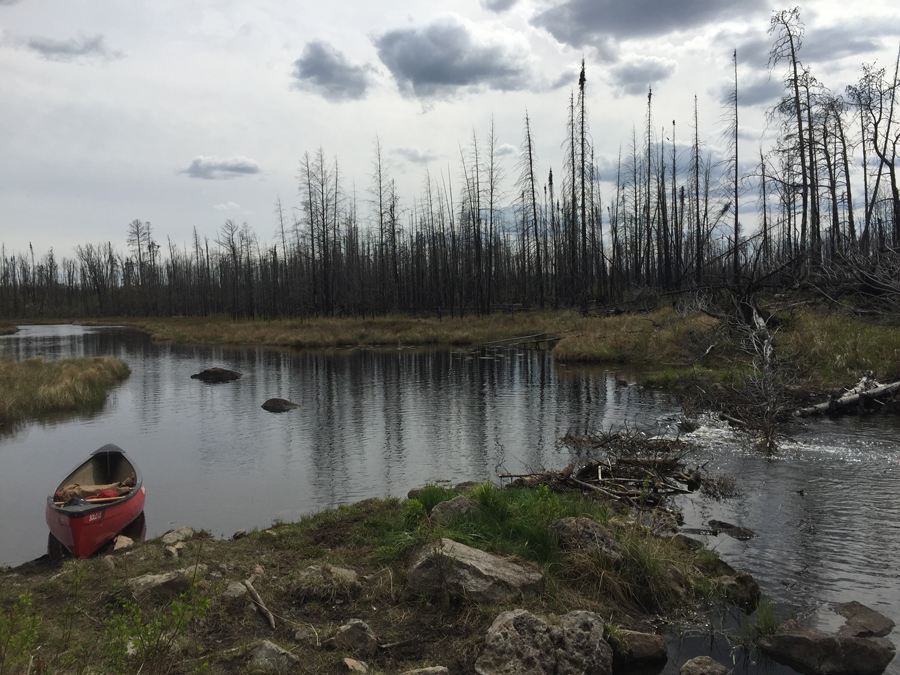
448	569
812	651
520	643
216	375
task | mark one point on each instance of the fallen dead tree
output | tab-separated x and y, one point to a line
862	397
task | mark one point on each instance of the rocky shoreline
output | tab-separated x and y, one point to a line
329	594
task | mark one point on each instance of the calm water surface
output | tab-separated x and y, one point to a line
376	423
371	424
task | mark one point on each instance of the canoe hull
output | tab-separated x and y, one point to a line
84	529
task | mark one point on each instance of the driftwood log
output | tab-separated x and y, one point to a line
859	395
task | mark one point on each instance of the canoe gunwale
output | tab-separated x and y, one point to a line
83	510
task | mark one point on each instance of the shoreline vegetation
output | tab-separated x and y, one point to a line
35	387
296	584
825	347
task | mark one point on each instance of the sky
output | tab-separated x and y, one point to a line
185	113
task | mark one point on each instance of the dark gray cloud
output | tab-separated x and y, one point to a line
498	5
415	155
635	75
819	45
756	91
600	23
445	56
73	49
836	42
327	72
214	168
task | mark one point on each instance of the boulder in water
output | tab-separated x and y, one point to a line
216	375
808	650
279	405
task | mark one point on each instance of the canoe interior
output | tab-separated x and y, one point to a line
101	469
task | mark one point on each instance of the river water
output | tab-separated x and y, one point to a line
376	423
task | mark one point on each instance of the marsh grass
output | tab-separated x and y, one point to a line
836	348
386	331
660	337
36	387
8	328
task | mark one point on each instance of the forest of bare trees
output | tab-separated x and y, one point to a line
825	195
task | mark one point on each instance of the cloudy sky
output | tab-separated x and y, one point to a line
185	113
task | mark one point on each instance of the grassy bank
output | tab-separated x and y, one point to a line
36	387
391	331
663	337
81	619
8	328
825	347
835	348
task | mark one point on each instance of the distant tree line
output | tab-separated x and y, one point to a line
464	245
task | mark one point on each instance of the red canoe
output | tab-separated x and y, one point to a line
82	522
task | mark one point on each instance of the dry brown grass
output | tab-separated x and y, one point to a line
662	337
37	387
393	330
836	348
8	328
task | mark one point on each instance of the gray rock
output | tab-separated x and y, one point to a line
171	551
353	666
863	621
163	586
804	649
703	665
279	405
584	534
357	637
414	493
109	562
271	658
174	536
240	534
325	582
741	590
583	649
234	591
432	670
447	568
444	512
736	531
216	375
520	643
639	648
123	543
